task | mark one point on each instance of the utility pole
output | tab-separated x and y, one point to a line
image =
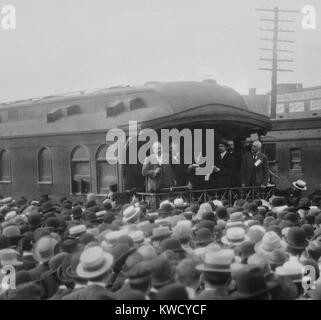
275	50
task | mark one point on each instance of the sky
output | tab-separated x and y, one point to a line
65	46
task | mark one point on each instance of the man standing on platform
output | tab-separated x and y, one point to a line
237	161
223	168
179	168
255	167
157	170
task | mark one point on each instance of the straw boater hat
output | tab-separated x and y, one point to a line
234	236
163	222
6	201
77	230
218	261
94	262
10	215
218	203
130	213
292	269
9	257
269	243
100	215
137	236
300	185
111	238
179	203
165	202
44	248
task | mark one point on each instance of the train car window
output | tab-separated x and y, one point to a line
106	172
80	170
44	166
5	166
296	159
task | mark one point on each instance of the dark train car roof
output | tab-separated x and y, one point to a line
114	107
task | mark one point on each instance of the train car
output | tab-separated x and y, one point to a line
57	145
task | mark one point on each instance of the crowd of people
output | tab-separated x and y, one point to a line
106	250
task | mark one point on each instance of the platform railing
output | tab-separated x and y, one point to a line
229	194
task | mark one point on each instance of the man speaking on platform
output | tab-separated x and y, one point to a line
157	170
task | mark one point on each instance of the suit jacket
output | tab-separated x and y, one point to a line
61	293
237	162
91	292
222	178
38	271
198	181
212	295
252	175
164	179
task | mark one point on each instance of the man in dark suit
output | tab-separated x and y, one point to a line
223	168
255	167
237	161
179	168
157	170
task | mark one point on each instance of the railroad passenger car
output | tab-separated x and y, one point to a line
57	145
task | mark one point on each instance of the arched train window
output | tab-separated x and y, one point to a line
80	170
44	166
106	172
5	166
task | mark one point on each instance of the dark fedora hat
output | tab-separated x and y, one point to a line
70	269
205	224
91	217
292	217
308	230
70	245
54	224
34	220
203	236
164	273
171	244
250	282
140	272
278	202
121	252
61	271
296	238
56	261
47	207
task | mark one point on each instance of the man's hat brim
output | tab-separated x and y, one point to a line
298	187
